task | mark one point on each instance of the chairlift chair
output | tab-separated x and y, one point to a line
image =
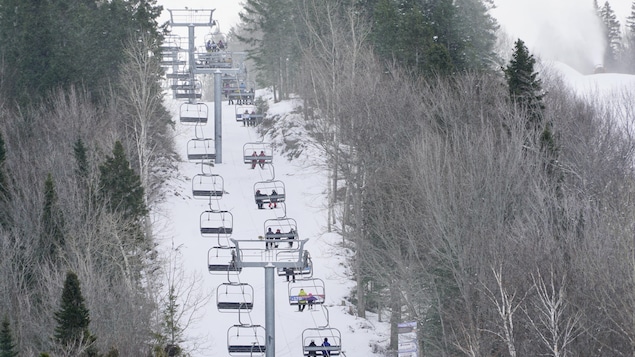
193	113
234	297
201	149
264	152
208	186
314	286
243	112
216	223
318	334
221	260
246	340
304	269
282	231
191	89
263	193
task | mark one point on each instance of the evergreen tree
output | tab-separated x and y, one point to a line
73	318
52	223
51	44
4	188
81	158
436	36
477	29
121	186
629	57
613	37
7	347
172	333
271	28
525	89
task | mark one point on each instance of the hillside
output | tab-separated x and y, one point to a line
304	186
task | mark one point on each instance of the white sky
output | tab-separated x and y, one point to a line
226	10
562	30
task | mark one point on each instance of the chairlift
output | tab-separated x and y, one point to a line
246	340
282	230
221	260
216	223
179	75
314	286
208	186
234	297
319	335
269	193
304	269
213	60
171	43
263	151
201	149
193	113
241	96
243	112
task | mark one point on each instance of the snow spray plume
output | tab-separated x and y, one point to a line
568	31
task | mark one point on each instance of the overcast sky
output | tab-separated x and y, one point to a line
562	30
226	10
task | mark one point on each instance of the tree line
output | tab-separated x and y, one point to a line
481	199
85	148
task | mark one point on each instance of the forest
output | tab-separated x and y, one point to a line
480	197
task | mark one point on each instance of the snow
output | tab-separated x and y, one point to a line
305	190
305	184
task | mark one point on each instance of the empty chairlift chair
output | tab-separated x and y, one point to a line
216	223
235	297
246	340
208	186
221	260
327	341
193	113
201	149
301	270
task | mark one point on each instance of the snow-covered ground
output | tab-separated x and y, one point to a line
178	217
304	186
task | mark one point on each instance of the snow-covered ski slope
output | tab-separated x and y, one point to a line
304	182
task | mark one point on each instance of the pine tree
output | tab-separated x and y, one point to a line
172	333
7	347
525	89
73	318
613	37
121	186
52	223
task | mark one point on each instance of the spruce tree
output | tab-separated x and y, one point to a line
52	223
629	57
73	318
524	87
4	188
612	36
7	346
121	187
81	158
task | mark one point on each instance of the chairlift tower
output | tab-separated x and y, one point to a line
192	18
254	254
